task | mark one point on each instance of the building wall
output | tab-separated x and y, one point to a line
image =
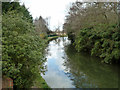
7	82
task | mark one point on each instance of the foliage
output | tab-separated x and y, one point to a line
21	49
40	83
94	28
10	6
43	35
100	43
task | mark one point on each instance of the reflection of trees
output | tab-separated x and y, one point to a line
89	72
57	41
63	39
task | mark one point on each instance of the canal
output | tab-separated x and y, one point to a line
67	68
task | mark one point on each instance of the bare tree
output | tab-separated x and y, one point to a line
87	15
41	25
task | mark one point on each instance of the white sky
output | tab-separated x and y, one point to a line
54	9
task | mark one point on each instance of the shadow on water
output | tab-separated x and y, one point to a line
68	69
89	72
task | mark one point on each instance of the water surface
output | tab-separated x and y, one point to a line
68	69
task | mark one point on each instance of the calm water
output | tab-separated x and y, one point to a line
68	69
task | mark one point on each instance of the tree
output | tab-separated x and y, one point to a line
41	25
9	6
93	28
21	48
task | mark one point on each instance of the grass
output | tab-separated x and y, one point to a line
54	37
51	38
40	83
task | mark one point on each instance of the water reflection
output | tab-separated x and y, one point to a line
68	69
55	76
89	72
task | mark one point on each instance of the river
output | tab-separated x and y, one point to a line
67	68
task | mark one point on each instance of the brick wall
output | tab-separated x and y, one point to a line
7	82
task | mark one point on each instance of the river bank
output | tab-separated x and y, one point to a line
40	83
55	37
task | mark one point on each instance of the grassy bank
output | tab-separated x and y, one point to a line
51	38
54	37
40	83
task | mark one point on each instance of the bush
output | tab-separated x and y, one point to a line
103	43
22	50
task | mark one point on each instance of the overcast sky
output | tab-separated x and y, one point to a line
54	9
